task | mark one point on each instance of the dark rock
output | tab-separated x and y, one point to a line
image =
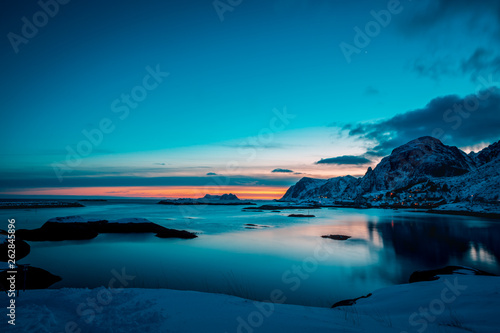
301	215
173	233
349	302
55	231
58	231
275	207
36	278
336	237
432	274
22	250
486	155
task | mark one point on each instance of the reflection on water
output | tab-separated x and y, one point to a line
385	248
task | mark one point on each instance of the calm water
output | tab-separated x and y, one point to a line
287	254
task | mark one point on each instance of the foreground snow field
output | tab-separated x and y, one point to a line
454	303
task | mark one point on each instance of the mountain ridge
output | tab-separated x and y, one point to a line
433	172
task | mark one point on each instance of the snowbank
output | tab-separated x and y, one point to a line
450	304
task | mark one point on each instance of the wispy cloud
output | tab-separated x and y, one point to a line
282	170
370	91
345	160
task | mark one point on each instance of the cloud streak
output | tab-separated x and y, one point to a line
345	160
282	170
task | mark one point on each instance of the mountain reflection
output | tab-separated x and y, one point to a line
438	241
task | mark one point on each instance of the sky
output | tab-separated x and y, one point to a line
182	98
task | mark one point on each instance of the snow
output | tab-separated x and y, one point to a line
79	219
423	173
455	304
470	207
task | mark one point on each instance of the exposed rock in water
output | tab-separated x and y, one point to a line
336	237
283	207
55	231
349	302
301	215
433	274
21	251
173	233
77	228
36	278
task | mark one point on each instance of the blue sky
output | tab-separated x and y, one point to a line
227	80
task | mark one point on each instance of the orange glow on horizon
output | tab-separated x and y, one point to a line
243	192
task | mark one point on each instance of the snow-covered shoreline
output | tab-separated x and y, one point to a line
454	303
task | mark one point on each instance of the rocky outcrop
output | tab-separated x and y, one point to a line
77	228
433	274
310	188
22	248
486	155
28	277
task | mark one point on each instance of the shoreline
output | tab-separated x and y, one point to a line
469	298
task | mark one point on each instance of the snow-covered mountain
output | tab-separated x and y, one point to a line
422	172
333	188
486	155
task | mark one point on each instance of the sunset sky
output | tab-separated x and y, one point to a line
181	98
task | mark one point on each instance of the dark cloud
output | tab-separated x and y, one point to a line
282	170
479	64
211	174
433	12
481	61
458	121
435	68
439	19
345	160
370	90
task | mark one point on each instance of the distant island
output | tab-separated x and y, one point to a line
24	204
227	199
92	200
